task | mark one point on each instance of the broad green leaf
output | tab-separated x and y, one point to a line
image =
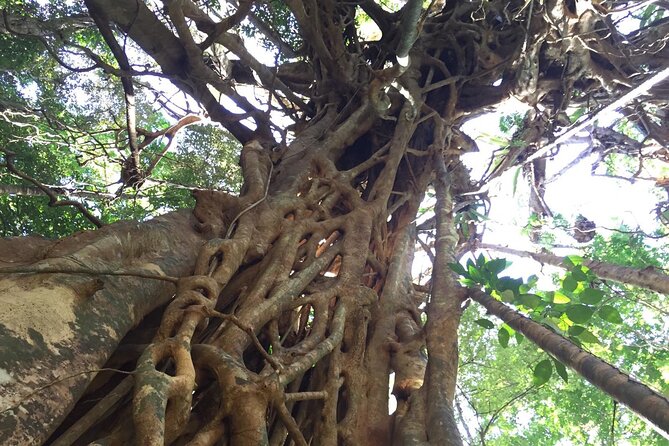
578	274
496	266
574	259
485	274
569	284
561	370
474	273
588	338
503	337
560	298
507	283
507	296
579	313
529	300
480	260
457	268
542	372
576	330
509	329
591	296
567	263
610	314
485	323
519	337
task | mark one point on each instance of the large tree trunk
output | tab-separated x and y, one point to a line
299	305
57	329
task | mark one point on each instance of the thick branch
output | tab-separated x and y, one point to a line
637	396
443	318
648	277
142	26
53	198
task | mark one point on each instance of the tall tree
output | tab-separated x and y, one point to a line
277	315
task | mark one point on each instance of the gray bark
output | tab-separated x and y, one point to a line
649	277
57	329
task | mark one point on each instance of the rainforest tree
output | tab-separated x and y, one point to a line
275	307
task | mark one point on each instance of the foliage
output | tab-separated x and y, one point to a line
515	395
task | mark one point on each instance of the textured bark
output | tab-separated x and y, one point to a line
635	395
444	310
649	277
56	330
300	304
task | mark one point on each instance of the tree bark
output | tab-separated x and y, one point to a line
648	277
299	305
56	330
635	395
444	311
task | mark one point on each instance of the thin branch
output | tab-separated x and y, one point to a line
59	380
102	23
90	272
96	413
634	93
53	198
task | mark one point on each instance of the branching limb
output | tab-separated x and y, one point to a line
53	196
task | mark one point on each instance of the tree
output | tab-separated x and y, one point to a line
278	314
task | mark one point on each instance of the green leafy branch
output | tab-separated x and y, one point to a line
570	310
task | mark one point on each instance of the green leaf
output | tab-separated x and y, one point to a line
496	266
579	313
480	260
519	337
576	330
507	283
458	269
474	273
561	370
574	259
529	300
503	337
588	338
542	372
507	296
610	314
560	298
569	284
485	323
578	274
591	296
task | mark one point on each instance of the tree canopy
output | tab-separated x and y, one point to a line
380	196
